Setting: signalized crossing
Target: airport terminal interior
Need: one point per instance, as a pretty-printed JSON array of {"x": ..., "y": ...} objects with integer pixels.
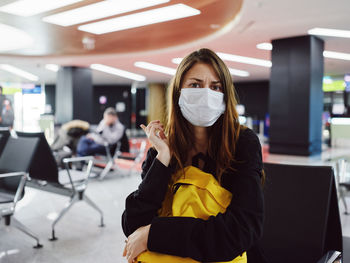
[{"x": 69, "y": 66}]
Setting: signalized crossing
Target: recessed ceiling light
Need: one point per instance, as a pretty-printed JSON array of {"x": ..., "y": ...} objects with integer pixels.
[
  {"x": 99, "y": 10},
  {"x": 154, "y": 67},
  {"x": 118, "y": 72},
  {"x": 329, "y": 32},
  {"x": 52, "y": 67},
  {"x": 264, "y": 46},
  {"x": 19, "y": 72},
  {"x": 336, "y": 55},
  {"x": 140, "y": 19},
  {"x": 13, "y": 38},
  {"x": 245, "y": 60},
  {"x": 34, "y": 7}
]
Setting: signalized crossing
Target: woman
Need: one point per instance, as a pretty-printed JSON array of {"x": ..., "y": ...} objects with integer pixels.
[{"x": 202, "y": 131}]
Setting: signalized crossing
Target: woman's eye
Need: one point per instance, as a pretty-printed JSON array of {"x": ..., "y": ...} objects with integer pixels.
[
  {"x": 194, "y": 85},
  {"x": 217, "y": 88}
]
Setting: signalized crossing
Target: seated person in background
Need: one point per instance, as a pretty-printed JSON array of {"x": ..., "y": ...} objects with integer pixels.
[
  {"x": 66, "y": 141},
  {"x": 69, "y": 135},
  {"x": 110, "y": 130}
]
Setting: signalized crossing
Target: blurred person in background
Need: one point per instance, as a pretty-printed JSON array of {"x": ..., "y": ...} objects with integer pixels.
[
  {"x": 7, "y": 114},
  {"x": 2, "y": 99},
  {"x": 110, "y": 131}
]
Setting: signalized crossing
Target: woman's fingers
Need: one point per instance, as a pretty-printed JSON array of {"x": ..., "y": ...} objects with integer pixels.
[
  {"x": 162, "y": 135},
  {"x": 130, "y": 258},
  {"x": 152, "y": 128},
  {"x": 127, "y": 253},
  {"x": 124, "y": 252}
]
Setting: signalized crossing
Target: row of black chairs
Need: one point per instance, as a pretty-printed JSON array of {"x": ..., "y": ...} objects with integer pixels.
[{"x": 28, "y": 160}]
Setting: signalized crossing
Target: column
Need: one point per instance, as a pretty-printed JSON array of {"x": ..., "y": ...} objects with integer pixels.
[
  {"x": 156, "y": 102},
  {"x": 74, "y": 94},
  {"x": 296, "y": 96}
]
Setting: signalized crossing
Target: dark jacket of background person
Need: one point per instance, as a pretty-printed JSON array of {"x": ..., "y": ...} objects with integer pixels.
[
  {"x": 69, "y": 135},
  {"x": 220, "y": 238}
]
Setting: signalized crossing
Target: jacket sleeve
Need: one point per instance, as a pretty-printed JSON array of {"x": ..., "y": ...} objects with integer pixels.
[
  {"x": 142, "y": 205},
  {"x": 226, "y": 235}
]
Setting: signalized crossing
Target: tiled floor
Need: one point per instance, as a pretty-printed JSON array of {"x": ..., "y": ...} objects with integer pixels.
[{"x": 80, "y": 239}]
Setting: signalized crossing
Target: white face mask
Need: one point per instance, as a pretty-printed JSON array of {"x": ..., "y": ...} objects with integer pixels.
[{"x": 201, "y": 106}]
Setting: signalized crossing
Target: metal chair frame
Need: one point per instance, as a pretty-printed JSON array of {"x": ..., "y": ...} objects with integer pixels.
[
  {"x": 111, "y": 165},
  {"x": 74, "y": 189},
  {"x": 8, "y": 212}
]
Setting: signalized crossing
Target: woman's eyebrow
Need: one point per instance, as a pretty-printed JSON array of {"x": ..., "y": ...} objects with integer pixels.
[{"x": 199, "y": 80}]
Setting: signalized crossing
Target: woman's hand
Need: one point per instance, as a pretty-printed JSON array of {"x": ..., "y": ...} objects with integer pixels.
[
  {"x": 156, "y": 136},
  {"x": 136, "y": 243}
]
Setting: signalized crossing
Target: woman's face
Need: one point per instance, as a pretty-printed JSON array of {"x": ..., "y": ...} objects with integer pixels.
[{"x": 202, "y": 75}]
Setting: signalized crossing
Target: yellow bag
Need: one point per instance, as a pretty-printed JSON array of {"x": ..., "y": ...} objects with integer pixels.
[{"x": 198, "y": 194}]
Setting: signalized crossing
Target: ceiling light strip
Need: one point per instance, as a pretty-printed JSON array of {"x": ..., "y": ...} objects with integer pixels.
[
  {"x": 336, "y": 55},
  {"x": 99, "y": 10},
  {"x": 239, "y": 73},
  {"x": 264, "y": 46},
  {"x": 326, "y": 54},
  {"x": 19, "y": 72},
  {"x": 154, "y": 67},
  {"x": 34, "y": 7},
  {"x": 245, "y": 60},
  {"x": 13, "y": 38},
  {"x": 234, "y": 72},
  {"x": 153, "y": 16},
  {"x": 118, "y": 72},
  {"x": 52, "y": 67},
  {"x": 329, "y": 32},
  {"x": 176, "y": 60}
]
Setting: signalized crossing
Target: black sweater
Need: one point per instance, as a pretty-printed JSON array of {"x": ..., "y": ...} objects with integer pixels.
[{"x": 220, "y": 238}]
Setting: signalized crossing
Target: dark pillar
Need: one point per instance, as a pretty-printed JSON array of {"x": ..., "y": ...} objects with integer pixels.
[
  {"x": 296, "y": 96},
  {"x": 74, "y": 94}
]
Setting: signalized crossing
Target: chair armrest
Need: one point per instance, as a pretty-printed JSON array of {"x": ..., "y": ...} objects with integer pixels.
[
  {"x": 12, "y": 174},
  {"x": 89, "y": 159},
  {"x": 78, "y": 159},
  {"x": 330, "y": 257},
  {"x": 20, "y": 186}
]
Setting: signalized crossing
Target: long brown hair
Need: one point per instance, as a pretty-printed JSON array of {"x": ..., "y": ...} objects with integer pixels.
[{"x": 223, "y": 135}]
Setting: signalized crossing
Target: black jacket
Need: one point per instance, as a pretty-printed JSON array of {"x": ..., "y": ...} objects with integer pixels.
[{"x": 220, "y": 238}]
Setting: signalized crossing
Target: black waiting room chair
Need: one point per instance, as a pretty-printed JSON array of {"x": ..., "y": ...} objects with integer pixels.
[
  {"x": 45, "y": 175},
  {"x": 14, "y": 162},
  {"x": 4, "y": 135},
  {"x": 302, "y": 221}
]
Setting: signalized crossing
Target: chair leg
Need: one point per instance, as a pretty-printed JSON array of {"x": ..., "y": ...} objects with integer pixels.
[
  {"x": 93, "y": 205},
  {"x": 106, "y": 170},
  {"x": 73, "y": 200},
  {"x": 26, "y": 231},
  {"x": 342, "y": 197}
]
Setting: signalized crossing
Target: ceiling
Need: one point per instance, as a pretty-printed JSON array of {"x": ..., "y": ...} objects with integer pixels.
[{"x": 224, "y": 25}]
